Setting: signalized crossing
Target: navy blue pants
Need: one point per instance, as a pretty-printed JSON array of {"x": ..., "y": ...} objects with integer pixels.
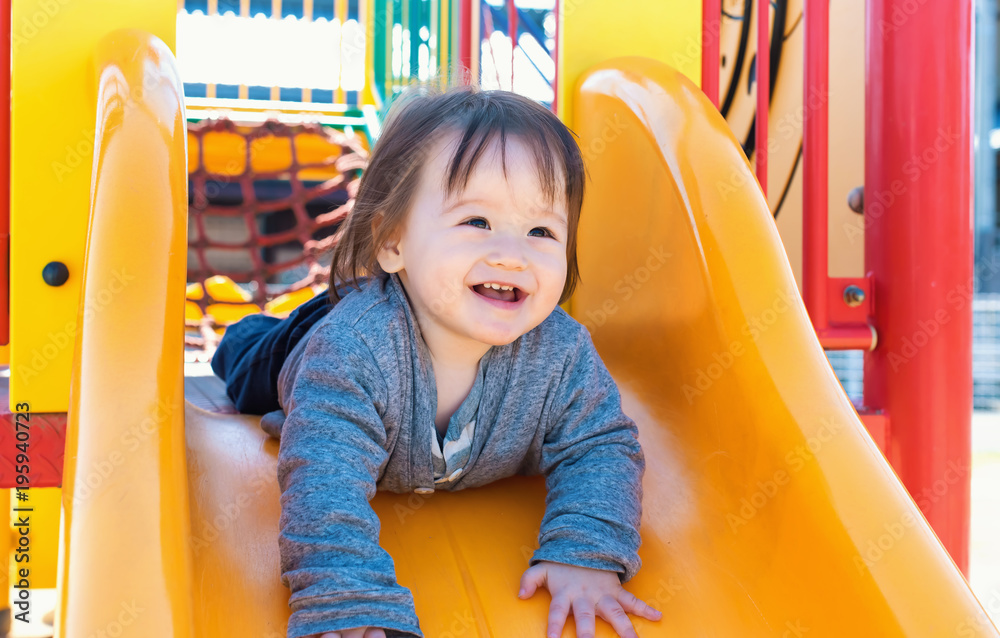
[{"x": 253, "y": 350}]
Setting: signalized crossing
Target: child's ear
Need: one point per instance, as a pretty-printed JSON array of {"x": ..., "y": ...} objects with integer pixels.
[{"x": 389, "y": 255}]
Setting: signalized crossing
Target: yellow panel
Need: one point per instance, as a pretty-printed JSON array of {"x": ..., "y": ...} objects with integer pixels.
[
  {"x": 597, "y": 30},
  {"x": 52, "y": 142}
]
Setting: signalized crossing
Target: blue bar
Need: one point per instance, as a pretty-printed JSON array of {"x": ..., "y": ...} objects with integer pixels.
[
  {"x": 322, "y": 96},
  {"x": 290, "y": 95},
  {"x": 229, "y": 5},
  {"x": 190, "y": 6},
  {"x": 259, "y": 93},
  {"x": 227, "y": 90},
  {"x": 195, "y": 89},
  {"x": 260, "y": 6},
  {"x": 292, "y": 8},
  {"x": 323, "y": 9}
]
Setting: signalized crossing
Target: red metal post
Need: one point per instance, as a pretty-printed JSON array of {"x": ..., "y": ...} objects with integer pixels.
[
  {"x": 465, "y": 40},
  {"x": 711, "y": 13},
  {"x": 815, "y": 147},
  {"x": 814, "y": 160},
  {"x": 512, "y": 28},
  {"x": 763, "y": 91},
  {"x": 919, "y": 244}
]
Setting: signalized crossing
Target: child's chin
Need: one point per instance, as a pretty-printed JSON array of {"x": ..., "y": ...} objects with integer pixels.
[{"x": 497, "y": 337}]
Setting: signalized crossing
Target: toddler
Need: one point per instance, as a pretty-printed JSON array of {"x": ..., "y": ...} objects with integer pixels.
[{"x": 444, "y": 362}]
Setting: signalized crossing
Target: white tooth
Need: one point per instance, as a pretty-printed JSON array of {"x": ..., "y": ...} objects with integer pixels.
[{"x": 506, "y": 287}]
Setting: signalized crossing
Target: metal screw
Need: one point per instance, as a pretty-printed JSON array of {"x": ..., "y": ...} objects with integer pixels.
[
  {"x": 854, "y": 296},
  {"x": 55, "y": 273}
]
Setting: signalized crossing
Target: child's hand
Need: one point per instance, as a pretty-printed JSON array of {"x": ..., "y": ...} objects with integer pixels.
[
  {"x": 357, "y": 632},
  {"x": 583, "y": 590}
]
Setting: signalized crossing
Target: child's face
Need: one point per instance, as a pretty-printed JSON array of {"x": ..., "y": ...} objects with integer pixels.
[{"x": 498, "y": 231}]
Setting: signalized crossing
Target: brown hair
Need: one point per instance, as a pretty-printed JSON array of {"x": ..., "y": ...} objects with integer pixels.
[{"x": 420, "y": 116}]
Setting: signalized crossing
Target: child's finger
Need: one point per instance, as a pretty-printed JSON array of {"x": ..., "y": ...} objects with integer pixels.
[
  {"x": 532, "y": 579},
  {"x": 611, "y": 611},
  {"x": 374, "y": 633},
  {"x": 633, "y": 605},
  {"x": 583, "y": 615},
  {"x": 558, "y": 611}
]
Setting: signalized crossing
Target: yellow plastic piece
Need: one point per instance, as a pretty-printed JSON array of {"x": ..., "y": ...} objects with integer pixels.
[
  {"x": 125, "y": 558},
  {"x": 194, "y": 291},
  {"x": 223, "y": 289},
  {"x": 225, "y": 154},
  {"x": 288, "y": 302},
  {"x": 52, "y": 145},
  {"x": 768, "y": 509},
  {"x": 592, "y": 31},
  {"x": 226, "y": 314},
  {"x": 192, "y": 312}
]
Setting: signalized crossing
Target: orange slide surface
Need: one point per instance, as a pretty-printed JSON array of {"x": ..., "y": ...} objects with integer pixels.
[{"x": 768, "y": 510}]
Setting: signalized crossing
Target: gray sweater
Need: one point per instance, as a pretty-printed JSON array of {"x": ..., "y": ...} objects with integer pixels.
[{"x": 359, "y": 393}]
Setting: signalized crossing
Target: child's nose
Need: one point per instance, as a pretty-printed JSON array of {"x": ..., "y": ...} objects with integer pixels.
[{"x": 506, "y": 252}]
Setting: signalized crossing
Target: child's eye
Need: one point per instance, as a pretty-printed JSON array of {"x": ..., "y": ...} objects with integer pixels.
[
  {"x": 540, "y": 232},
  {"x": 478, "y": 222}
]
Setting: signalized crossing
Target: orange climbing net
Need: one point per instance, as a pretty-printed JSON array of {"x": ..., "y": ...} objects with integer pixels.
[{"x": 258, "y": 192}]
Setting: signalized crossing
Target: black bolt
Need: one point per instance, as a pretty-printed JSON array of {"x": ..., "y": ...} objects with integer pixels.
[{"x": 55, "y": 273}]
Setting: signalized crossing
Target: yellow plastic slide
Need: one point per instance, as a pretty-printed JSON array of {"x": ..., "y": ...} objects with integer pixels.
[{"x": 768, "y": 510}]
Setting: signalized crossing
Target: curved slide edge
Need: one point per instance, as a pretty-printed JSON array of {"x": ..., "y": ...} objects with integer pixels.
[
  {"x": 766, "y": 499},
  {"x": 124, "y": 534}
]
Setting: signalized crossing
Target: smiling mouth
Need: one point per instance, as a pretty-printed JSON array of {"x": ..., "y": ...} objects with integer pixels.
[{"x": 510, "y": 296}]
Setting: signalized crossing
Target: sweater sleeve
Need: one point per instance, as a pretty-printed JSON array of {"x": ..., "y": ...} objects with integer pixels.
[
  {"x": 331, "y": 453},
  {"x": 593, "y": 468}
]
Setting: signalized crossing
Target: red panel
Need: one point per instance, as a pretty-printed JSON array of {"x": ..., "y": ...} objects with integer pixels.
[{"x": 46, "y": 445}]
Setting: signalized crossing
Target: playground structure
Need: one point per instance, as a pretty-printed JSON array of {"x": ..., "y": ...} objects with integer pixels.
[{"x": 769, "y": 506}]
